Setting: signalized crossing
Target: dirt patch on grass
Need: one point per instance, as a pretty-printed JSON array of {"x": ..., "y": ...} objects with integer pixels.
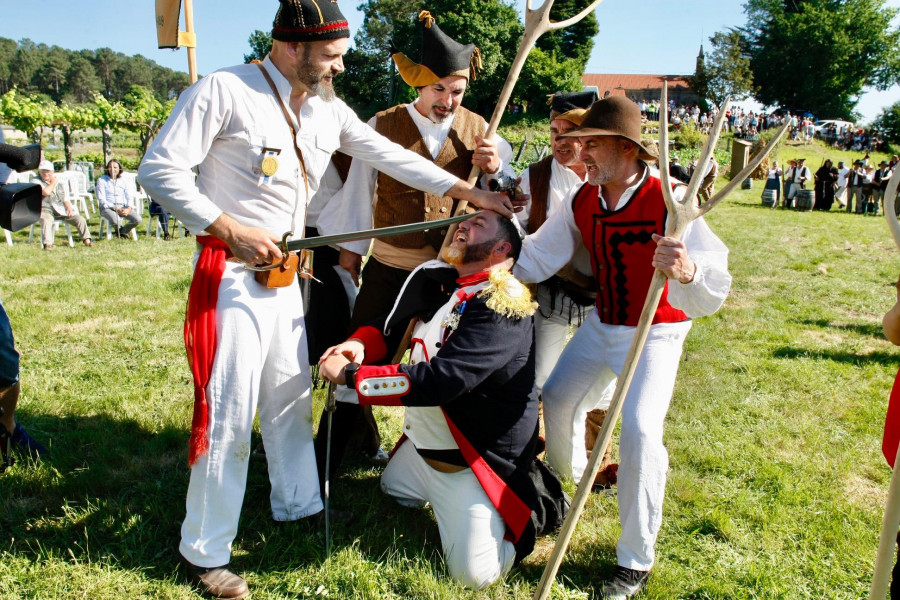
[{"x": 864, "y": 493}]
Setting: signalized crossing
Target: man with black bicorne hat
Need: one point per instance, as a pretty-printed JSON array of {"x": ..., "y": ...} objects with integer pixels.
[
  {"x": 619, "y": 217},
  {"x": 436, "y": 127},
  {"x": 565, "y": 297},
  {"x": 261, "y": 137}
]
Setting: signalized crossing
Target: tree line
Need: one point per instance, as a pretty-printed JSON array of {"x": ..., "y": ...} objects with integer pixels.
[
  {"x": 74, "y": 76},
  {"x": 804, "y": 56}
]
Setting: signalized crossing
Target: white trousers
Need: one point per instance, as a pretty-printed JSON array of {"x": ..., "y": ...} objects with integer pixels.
[
  {"x": 260, "y": 362},
  {"x": 551, "y": 328},
  {"x": 471, "y": 528},
  {"x": 593, "y": 358}
]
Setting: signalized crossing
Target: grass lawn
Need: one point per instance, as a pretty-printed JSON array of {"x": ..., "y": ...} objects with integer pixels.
[{"x": 776, "y": 486}]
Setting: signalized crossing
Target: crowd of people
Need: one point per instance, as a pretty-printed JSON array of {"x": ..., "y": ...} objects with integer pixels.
[{"x": 857, "y": 188}]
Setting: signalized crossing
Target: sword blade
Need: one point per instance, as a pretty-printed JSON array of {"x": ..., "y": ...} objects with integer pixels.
[{"x": 351, "y": 236}]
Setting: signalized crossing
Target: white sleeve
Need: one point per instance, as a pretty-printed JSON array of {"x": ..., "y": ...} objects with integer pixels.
[
  {"x": 184, "y": 141},
  {"x": 706, "y": 293},
  {"x": 551, "y": 247},
  {"x": 351, "y": 208}
]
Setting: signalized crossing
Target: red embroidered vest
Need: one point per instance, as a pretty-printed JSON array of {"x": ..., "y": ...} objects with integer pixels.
[{"x": 621, "y": 249}]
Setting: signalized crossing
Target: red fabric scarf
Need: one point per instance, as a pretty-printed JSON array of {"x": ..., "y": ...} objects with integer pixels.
[
  {"x": 200, "y": 334},
  {"x": 891, "y": 438}
]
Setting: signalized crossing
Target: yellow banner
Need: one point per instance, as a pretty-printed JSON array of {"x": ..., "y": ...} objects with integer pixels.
[{"x": 167, "y": 14}]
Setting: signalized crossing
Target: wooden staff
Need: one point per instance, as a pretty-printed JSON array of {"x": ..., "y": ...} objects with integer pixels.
[
  {"x": 192, "y": 46},
  {"x": 537, "y": 23},
  {"x": 680, "y": 214},
  {"x": 891, "y": 521}
]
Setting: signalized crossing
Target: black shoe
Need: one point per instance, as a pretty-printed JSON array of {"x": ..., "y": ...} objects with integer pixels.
[
  {"x": 624, "y": 584},
  {"x": 218, "y": 582}
]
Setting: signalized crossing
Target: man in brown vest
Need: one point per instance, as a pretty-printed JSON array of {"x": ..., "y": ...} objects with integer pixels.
[
  {"x": 566, "y": 298},
  {"x": 437, "y": 127}
]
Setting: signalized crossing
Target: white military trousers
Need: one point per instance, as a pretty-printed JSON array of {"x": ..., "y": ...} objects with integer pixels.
[
  {"x": 593, "y": 358},
  {"x": 471, "y": 529},
  {"x": 260, "y": 363}
]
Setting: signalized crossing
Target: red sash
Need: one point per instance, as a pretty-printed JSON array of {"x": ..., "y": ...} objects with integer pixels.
[
  {"x": 200, "y": 334},
  {"x": 891, "y": 438}
]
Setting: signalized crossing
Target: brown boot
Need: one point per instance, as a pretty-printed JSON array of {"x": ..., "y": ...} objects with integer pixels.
[
  {"x": 218, "y": 582},
  {"x": 606, "y": 476}
]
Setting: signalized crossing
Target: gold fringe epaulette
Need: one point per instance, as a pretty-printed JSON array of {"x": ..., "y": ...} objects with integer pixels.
[{"x": 507, "y": 296}]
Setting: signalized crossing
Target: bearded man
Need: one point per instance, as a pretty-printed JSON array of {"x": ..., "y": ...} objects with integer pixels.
[
  {"x": 470, "y": 426},
  {"x": 619, "y": 217},
  {"x": 261, "y": 137}
]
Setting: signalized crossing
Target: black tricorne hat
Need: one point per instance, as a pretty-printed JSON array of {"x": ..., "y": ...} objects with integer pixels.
[
  {"x": 309, "y": 21},
  {"x": 572, "y": 106},
  {"x": 441, "y": 56}
]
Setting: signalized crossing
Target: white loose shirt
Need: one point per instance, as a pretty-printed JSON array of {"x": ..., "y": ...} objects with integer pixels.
[
  {"x": 224, "y": 124},
  {"x": 552, "y": 246},
  {"x": 362, "y": 180}
]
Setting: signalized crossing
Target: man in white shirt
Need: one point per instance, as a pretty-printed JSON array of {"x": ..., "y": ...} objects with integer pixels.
[
  {"x": 622, "y": 213},
  {"x": 565, "y": 298},
  {"x": 797, "y": 176},
  {"x": 843, "y": 173},
  {"x": 439, "y": 129},
  {"x": 245, "y": 340}
]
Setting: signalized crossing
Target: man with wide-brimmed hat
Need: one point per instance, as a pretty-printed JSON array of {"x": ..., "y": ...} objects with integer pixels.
[
  {"x": 261, "y": 136},
  {"x": 619, "y": 217},
  {"x": 439, "y": 129},
  {"x": 565, "y": 297}
]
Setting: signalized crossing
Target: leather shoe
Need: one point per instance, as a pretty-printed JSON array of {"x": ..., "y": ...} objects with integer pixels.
[
  {"x": 218, "y": 582},
  {"x": 624, "y": 584}
]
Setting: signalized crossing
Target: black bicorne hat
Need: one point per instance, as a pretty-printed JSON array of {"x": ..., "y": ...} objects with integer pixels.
[{"x": 571, "y": 106}]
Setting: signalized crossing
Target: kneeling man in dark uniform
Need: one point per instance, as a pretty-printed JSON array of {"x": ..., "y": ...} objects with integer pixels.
[{"x": 470, "y": 426}]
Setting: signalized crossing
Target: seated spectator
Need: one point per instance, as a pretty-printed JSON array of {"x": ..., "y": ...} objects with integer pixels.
[
  {"x": 56, "y": 205},
  {"x": 116, "y": 199},
  {"x": 163, "y": 216}
]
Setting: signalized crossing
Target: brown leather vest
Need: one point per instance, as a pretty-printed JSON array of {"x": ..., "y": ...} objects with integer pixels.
[
  {"x": 539, "y": 181},
  {"x": 398, "y": 204}
]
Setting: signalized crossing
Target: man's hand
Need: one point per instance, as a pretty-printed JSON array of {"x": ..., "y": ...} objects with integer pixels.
[
  {"x": 332, "y": 368},
  {"x": 70, "y": 212},
  {"x": 495, "y": 201},
  {"x": 353, "y": 350},
  {"x": 672, "y": 259},
  {"x": 486, "y": 157},
  {"x": 251, "y": 245},
  {"x": 350, "y": 262}
]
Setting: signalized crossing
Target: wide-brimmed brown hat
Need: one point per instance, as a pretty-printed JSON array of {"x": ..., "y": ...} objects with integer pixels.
[{"x": 616, "y": 116}]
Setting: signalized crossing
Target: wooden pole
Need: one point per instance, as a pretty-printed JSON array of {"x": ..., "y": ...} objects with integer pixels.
[{"x": 189, "y": 29}]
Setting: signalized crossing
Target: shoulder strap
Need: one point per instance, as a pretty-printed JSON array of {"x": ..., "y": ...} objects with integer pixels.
[{"x": 290, "y": 123}]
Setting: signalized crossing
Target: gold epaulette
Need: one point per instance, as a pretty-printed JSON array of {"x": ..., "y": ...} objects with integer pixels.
[{"x": 507, "y": 296}]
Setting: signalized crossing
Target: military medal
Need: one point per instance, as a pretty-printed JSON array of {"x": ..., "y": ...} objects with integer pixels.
[{"x": 269, "y": 164}]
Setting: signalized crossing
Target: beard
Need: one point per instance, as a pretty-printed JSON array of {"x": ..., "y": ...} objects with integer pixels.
[
  {"x": 603, "y": 174},
  {"x": 456, "y": 256},
  {"x": 315, "y": 81}
]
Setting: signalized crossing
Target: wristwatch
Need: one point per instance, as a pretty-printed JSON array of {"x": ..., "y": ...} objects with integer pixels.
[{"x": 350, "y": 374}]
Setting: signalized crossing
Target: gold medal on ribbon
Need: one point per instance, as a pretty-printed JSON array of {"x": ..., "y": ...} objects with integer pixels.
[{"x": 269, "y": 165}]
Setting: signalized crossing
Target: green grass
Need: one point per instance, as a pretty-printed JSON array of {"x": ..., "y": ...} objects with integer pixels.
[{"x": 776, "y": 487}]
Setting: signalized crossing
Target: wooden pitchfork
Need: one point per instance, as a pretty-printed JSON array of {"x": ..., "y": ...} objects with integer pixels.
[
  {"x": 891, "y": 521},
  {"x": 680, "y": 215},
  {"x": 537, "y": 23}
]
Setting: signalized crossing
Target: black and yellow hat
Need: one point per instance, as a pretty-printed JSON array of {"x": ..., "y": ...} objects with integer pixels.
[
  {"x": 571, "y": 106},
  {"x": 309, "y": 21},
  {"x": 441, "y": 56}
]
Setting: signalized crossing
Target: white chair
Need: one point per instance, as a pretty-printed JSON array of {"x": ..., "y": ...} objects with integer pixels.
[
  {"x": 140, "y": 197},
  {"x": 8, "y": 235},
  {"x": 79, "y": 200},
  {"x": 173, "y": 222},
  {"x": 106, "y": 224},
  {"x": 80, "y": 190}
]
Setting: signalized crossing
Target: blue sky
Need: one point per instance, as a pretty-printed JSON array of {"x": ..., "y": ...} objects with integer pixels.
[{"x": 651, "y": 36}]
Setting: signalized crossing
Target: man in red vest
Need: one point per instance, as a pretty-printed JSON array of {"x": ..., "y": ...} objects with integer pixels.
[{"x": 619, "y": 216}]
